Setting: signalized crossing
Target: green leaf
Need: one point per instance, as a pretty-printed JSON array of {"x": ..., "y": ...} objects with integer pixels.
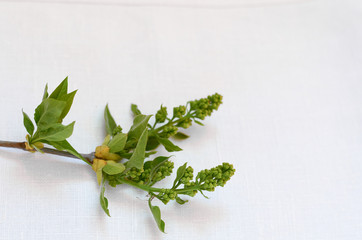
[
  {"x": 104, "y": 200},
  {"x": 55, "y": 132},
  {"x": 65, "y": 146},
  {"x": 169, "y": 145},
  {"x": 180, "y": 201},
  {"x": 147, "y": 154},
  {"x": 29, "y": 126},
  {"x": 61, "y": 90},
  {"x": 138, "y": 155},
  {"x": 110, "y": 123},
  {"x": 128, "y": 155},
  {"x": 68, "y": 99},
  {"x": 139, "y": 125},
  {"x": 125, "y": 154},
  {"x": 106, "y": 140},
  {"x": 147, "y": 165},
  {"x": 135, "y": 110},
  {"x": 117, "y": 143},
  {"x": 39, "y": 110},
  {"x": 180, "y": 135},
  {"x": 112, "y": 168},
  {"x": 156, "y": 212},
  {"x": 48, "y": 112},
  {"x": 180, "y": 173},
  {"x": 198, "y": 122},
  {"x": 157, "y": 162},
  {"x": 46, "y": 94},
  {"x": 203, "y": 194},
  {"x": 152, "y": 143}
]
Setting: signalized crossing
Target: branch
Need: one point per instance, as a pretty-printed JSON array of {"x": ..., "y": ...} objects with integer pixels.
[{"x": 21, "y": 145}]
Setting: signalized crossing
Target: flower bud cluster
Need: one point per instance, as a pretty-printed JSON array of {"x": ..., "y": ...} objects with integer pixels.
[
  {"x": 208, "y": 179},
  {"x": 137, "y": 175},
  {"x": 112, "y": 179},
  {"x": 117, "y": 130},
  {"x": 161, "y": 115},
  {"x": 142, "y": 176},
  {"x": 205, "y": 106},
  {"x": 164, "y": 171},
  {"x": 167, "y": 194},
  {"x": 168, "y": 131},
  {"x": 179, "y": 111},
  {"x": 185, "y": 123},
  {"x": 193, "y": 192},
  {"x": 188, "y": 176}
]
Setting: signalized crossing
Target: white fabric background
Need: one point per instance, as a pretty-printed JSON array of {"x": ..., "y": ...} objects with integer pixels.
[{"x": 291, "y": 122}]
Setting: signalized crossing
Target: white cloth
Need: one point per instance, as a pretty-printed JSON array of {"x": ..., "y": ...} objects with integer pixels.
[{"x": 291, "y": 122}]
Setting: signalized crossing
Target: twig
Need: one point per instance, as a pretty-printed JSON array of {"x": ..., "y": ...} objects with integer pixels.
[{"x": 21, "y": 145}]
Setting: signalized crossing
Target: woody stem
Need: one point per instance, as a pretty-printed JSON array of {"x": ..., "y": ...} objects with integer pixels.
[{"x": 21, "y": 145}]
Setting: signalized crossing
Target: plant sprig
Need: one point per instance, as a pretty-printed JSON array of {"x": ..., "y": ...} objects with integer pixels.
[
  {"x": 48, "y": 118},
  {"x": 124, "y": 157}
]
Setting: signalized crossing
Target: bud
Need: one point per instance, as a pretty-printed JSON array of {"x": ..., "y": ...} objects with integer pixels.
[
  {"x": 102, "y": 152},
  {"x": 161, "y": 115}
]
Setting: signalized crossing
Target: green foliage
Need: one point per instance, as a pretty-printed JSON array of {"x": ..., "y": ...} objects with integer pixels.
[
  {"x": 156, "y": 212},
  {"x": 152, "y": 142},
  {"x": 45, "y": 94},
  {"x": 123, "y": 158},
  {"x": 135, "y": 110},
  {"x": 48, "y": 117},
  {"x": 103, "y": 200},
  {"x": 113, "y": 168},
  {"x": 139, "y": 125},
  {"x": 29, "y": 126},
  {"x": 138, "y": 155},
  {"x": 170, "y": 147},
  {"x": 65, "y": 146},
  {"x": 54, "y": 132},
  {"x": 49, "y": 112},
  {"x": 181, "y": 201},
  {"x": 180, "y": 173},
  {"x": 117, "y": 143},
  {"x": 181, "y": 136},
  {"x": 68, "y": 99},
  {"x": 110, "y": 123},
  {"x": 143, "y": 137},
  {"x": 61, "y": 90}
]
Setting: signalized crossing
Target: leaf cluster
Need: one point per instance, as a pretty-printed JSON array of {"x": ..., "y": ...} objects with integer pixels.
[{"x": 48, "y": 118}]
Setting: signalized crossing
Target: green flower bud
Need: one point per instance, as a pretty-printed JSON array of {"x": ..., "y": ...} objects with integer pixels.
[
  {"x": 161, "y": 115},
  {"x": 168, "y": 131},
  {"x": 117, "y": 130},
  {"x": 185, "y": 123},
  {"x": 217, "y": 176},
  {"x": 164, "y": 170},
  {"x": 188, "y": 176},
  {"x": 178, "y": 112}
]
